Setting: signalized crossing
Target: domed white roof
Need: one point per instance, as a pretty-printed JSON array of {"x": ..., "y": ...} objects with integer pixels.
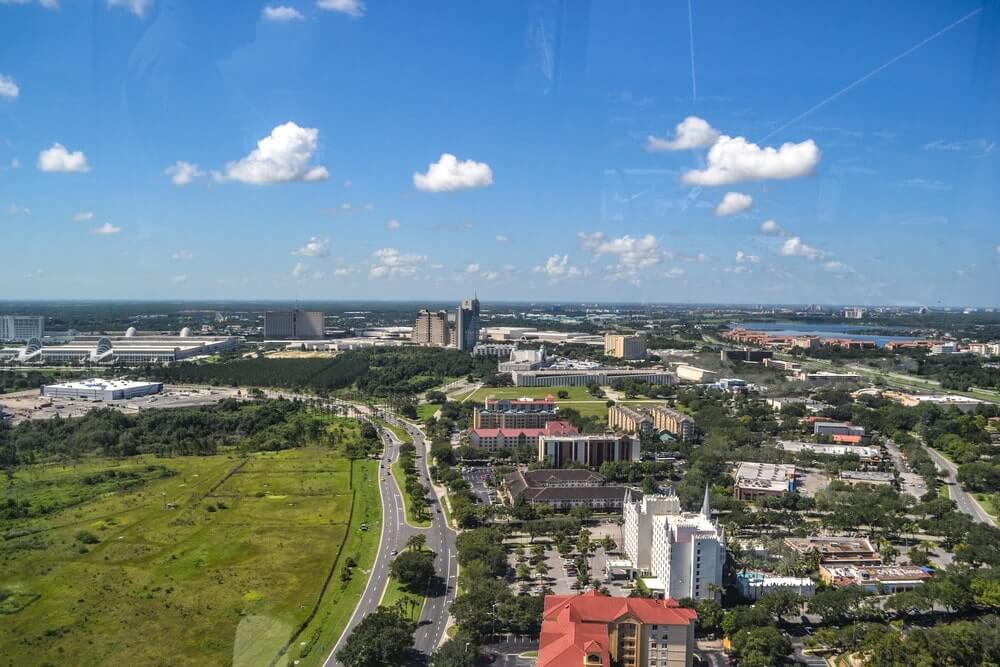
[
  {"x": 186, "y": 332},
  {"x": 130, "y": 332}
]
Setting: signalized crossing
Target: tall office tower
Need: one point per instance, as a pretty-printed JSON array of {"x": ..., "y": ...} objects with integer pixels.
[
  {"x": 293, "y": 324},
  {"x": 431, "y": 328},
  {"x": 625, "y": 347},
  {"x": 467, "y": 324},
  {"x": 22, "y": 327}
]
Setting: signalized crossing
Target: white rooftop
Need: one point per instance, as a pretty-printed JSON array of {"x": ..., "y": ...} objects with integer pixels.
[{"x": 100, "y": 384}]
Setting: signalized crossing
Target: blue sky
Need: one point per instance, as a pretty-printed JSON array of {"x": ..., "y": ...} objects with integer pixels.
[{"x": 537, "y": 150}]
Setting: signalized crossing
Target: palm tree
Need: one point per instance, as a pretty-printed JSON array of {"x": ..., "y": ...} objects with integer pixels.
[{"x": 416, "y": 542}]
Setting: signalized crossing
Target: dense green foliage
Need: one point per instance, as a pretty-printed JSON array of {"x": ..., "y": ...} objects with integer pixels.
[
  {"x": 958, "y": 371},
  {"x": 382, "y": 639}
]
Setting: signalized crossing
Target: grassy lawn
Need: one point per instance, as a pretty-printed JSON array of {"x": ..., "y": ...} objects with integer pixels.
[
  {"x": 579, "y": 398},
  {"x": 219, "y": 559},
  {"x": 426, "y": 410},
  {"x": 397, "y": 431},
  {"x": 986, "y": 500},
  {"x": 400, "y": 477}
]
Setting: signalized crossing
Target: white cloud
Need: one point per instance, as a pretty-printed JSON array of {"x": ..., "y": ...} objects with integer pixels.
[
  {"x": 106, "y": 229},
  {"x": 692, "y": 132},
  {"x": 281, "y": 157},
  {"x": 14, "y": 209},
  {"x": 701, "y": 258},
  {"x": 83, "y": 216},
  {"x": 557, "y": 267},
  {"x": 981, "y": 146},
  {"x": 393, "y": 224},
  {"x": 673, "y": 273},
  {"x": 924, "y": 184},
  {"x": 771, "y": 228},
  {"x": 390, "y": 263},
  {"x": 743, "y": 258},
  {"x": 734, "y": 159},
  {"x": 315, "y": 247},
  {"x": 15, "y": 163},
  {"x": 182, "y": 173},
  {"x": 344, "y": 271},
  {"x": 491, "y": 275},
  {"x": 281, "y": 14},
  {"x": 299, "y": 270},
  {"x": 182, "y": 256},
  {"x": 354, "y": 8},
  {"x": 998, "y": 249},
  {"x": 179, "y": 278},
  {"x": 501, "y": 238},
  {"x": 58, "y": 159},
  {"x": 834, "y": 266},
  {"x": 733, "y": 203},
  {"x": 794, "y": 247},
  {"x": 47, "y": 4},
  {"x": 8, "y": 87},
  {"x": 472, "y": 268},
  {"x": 137, "y": 7},
  {"x": 448, "y": 175},
  {"x": 633, "y": 253}
]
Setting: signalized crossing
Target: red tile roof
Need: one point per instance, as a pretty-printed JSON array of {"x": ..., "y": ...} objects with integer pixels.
[
  {"x": 576, "y": 625},
  {"x": 550, "y": 428},
  {"x": 851, "y": 439}
]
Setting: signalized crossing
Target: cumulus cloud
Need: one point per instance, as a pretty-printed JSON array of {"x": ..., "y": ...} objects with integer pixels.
[
  {"x": 639, "y": 252},
  {"x": 299, "y": 270},
  {"x": 83, "y": 216},
  {"x": 353, "y": 8},
  {"x": 182, "y": 256},
  {"x": 501, "y": 238},
  {"x": 557, "y": 267},
  {"x": 733, "y": 203},
  {"x": 137, "y": 7},
  {"x": 734, "y": 159},
  {"x": 449, "y": 174},
  {"x": 182, "y": 173},
  {"x": 281, "y": 14},
  {"x": 794, "y": 247},
  {"x": 744, "y": 258},
  {"x": 392, "y": 224},
  {"x": 281, "y": 157},
  {"x": 771, "y": 228},
  {"x": 472, "y": 268},
  {"x": 692, "y": 132},
  {"x": 106, "y": 229},
  {"x": 8, "y": 87},
  {"x": 390, "y": 263},
  {"x": 58, "y": 159},
  {"x": 491, "y": 275},
  {"x": 314, "y": 247}
]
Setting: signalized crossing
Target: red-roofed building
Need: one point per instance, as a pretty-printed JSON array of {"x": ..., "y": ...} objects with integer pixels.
[
  {"x": 516, "y": 413},
  {"x": 848, "y": 439},
  {"x": 492, "y": 439},
  {"x": 594, "y": 630}
]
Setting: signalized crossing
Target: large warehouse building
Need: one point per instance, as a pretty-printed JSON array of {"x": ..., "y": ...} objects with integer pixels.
[
  {"x": 97, "y": 389},
  {"x": 127, "y": 350}
]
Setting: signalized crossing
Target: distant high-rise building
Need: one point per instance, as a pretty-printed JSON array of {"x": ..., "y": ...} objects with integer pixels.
[
  {"x": 293, "y": 324},
  {"x": 21, "y": 327},
  {"x": 467, "y": 324},
  {"x": 854, "y": 313},
  {"x": 625, "y": 347},
  {"x": 431, "y": 328}
]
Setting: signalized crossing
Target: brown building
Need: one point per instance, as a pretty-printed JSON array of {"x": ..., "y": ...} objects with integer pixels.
[
  {"x": 590, "y": 450},
  {"x": 511, "y": 413},
  {"x": 674, "y": 422},
  {"x": 836, "y": 550},
  {"x": 431, "y": 328},
  {"x": 625, "y": 347},
  {"x": 563, "y": 489},
  {"x": 629, "y": 419}
]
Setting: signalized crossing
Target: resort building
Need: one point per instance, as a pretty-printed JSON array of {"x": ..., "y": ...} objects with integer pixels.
[
  {"x": 836, "y": 550},
  {"x": 493, "y": 439},
  {"x": 590, "y": 450},
  {"x": 880, "y": 579},
  {"x": 755, "y": 480},
  {"x": 582, "y": 377},
  {"x": 755, "y": 585},
  {"x": 629, "y": 419},
  {"x": 563, "y": 489},
  {"x": 516, "y": 413},
  {"x": 625, "y": 347},
  {"x": 431, "y": 328}
]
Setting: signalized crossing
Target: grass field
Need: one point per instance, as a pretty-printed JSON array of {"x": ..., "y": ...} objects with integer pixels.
[
  {"x": 579, "y": 399},
  {"x": 397, "y": 474},
  {"x": 427, "y": 410},
  {"x": 986, "y": 500},
  {"x": 218, "y": 560},
  {"x": 400, "y": 433}
]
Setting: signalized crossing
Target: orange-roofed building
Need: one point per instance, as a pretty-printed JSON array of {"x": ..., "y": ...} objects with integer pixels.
[
  {"x": 594, "y": 630},
  {"x": 848, "y": 439}
]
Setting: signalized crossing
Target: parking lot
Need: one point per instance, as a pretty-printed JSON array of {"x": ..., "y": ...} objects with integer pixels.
[
  {"x": 31, "y": 405},
  {"x": 476, "y": 477},
  {"x": 562, "y": 573}
]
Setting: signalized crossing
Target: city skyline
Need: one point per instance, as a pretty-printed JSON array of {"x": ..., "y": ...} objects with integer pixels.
[{"x": 328, "y": 152}]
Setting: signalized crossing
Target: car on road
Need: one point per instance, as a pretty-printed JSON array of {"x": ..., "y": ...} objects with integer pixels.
[{"x": 394, "y": 552}]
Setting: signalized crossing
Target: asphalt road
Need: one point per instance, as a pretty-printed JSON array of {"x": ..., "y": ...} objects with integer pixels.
[{"x": 963, "y": 500}]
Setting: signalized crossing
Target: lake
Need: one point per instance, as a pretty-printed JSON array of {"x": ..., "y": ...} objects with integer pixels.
[{"x": 851, "y": 331}]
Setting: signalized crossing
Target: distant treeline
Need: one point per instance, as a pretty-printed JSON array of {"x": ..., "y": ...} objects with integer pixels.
[
  {"x": 376, "y": 372},
  {"x": 263, "y": 425}
]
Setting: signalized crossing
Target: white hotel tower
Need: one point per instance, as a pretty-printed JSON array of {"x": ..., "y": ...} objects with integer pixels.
[{"x": 677, "y": 554}]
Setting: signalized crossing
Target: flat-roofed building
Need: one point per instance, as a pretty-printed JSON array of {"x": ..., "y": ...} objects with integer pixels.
[
  {"x": 493, "y": 439},
  {"x": 591, "y": 449},
  {"x": 694, "y": 374},
  {"x": 293, "y": 324},
  {"x": 755, "y": 585},
  {"x": 836, "y": 550},
  {"x": 563, "y": 489},
  {"x": 867, "y": 477},
  {"x": 98, "y": 389},
  {"x": 746, "y": 356},
  {"x": 866, "y": 454},
  {"x": 674, "y": 422},
  {"x": 431, "y": 328},
  {"x": 827, "y": 377},
  {"x": 595, "y": 630},
  {"x": 837, "y": 428},
  {"x": 516, "y": 413},
  {"x": 625, "y": 346},
  {"x": 121, "y": 350},
  {"x": 756, "y": 480},
  {"x": 582, "y": 377},
  {"x": 809, "y": 404},
  {"x": 880, "y": 579},
  {"x": 629, "y": 419},
  {"x": 677, "y": 554},
  {"x": 21, "y": 327}
]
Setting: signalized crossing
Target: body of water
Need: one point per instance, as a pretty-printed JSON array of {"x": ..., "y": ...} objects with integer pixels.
[{"x": 851, "y": 331}]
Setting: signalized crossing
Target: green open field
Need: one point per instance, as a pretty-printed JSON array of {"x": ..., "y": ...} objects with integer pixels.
[
  {"x": 209, "y": 560},
  {"x": 579, "y": 399},
  {"x": 986, "y": 500},
  {"x": 427, "y": 410}
]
